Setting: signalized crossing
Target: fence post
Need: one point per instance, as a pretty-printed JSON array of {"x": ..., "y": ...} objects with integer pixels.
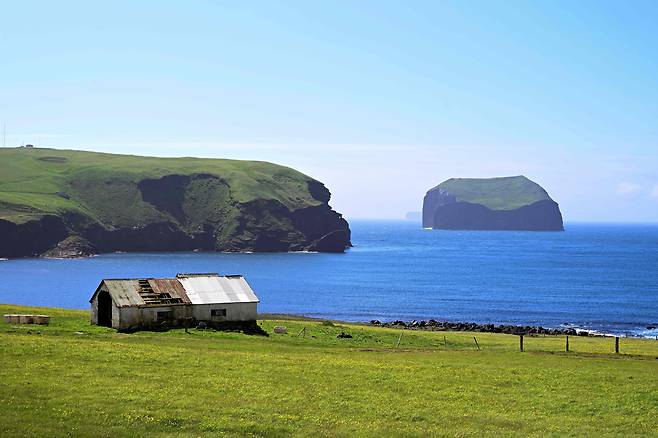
[
  {"x": 521, "y": 342},
  {"x": 617, "y": 344},
  {"x": 567, "y": 344},
  {"x": 445, "y": 343},
  {"x": 399, "y": 339},
  {"x": 476, "y": 343}
]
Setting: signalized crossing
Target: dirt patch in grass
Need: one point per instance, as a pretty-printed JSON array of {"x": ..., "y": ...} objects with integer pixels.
[{"x": 53, "y": 159}]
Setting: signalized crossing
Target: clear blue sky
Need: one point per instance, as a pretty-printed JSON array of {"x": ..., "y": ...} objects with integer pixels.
[{"x": 379, "y": 100}]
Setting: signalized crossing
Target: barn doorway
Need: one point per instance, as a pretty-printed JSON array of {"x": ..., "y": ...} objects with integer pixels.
[{"x": 104, "y": 309}]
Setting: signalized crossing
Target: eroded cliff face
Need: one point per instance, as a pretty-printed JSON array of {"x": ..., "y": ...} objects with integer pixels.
[
  {"x": 433, "y": 200},
  {"x": 191, "y": 212},
  {"x": 540, "y": 216},
  {"x": 32, "y": 237},
  {"x": 443, "y": 209}
]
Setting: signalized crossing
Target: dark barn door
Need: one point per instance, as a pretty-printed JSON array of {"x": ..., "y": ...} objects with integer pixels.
[{"x": 104, "y": 309}]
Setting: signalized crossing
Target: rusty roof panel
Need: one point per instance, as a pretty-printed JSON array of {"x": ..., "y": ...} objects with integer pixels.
[{"x": 170, "y": 286}]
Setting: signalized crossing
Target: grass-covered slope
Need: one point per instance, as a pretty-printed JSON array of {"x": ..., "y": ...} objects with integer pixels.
[
  {"x": 73, "y": 379},
  {"x": 223, "y": 204},
  {"x": 505, "y": 193},
  {"x": 39, "y": 179}
]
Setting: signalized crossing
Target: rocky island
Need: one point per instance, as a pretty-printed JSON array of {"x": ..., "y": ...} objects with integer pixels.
[
  {"x": 507, "y": 203},
  {"x": 64, "y": 203}
]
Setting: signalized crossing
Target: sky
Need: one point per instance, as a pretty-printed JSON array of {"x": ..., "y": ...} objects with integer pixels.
[{"x": 379, "y": 100}]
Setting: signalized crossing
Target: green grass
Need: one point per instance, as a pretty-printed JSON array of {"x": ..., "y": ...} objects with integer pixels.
[
  {"x": 506, "y": 193},
  {"x": 76, "y": 379},
  {"x": 101, "y": 186}
]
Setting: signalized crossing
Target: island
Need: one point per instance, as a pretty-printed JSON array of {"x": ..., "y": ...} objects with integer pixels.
[
  {"x": 66, "y": 203},
  {"x": 413, "y": 216},
  {"x": 506, "y": 203}
]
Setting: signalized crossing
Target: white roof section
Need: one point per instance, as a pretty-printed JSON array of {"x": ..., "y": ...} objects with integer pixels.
[{"x": 213, "y": 289}]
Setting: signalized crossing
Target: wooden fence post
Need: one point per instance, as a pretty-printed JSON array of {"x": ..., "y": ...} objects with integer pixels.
[
  {"x": 445, "y": 343},
  {"x": 567, "y": 344},
  {"x": 521, "y": 342},
  {"x": 476, "y": 343},
  {"x": 399, "y": 339},
  {"x": 617, "y": 344}
]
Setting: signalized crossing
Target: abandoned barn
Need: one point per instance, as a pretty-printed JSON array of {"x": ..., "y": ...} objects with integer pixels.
[{"x": 131, "y": 304}]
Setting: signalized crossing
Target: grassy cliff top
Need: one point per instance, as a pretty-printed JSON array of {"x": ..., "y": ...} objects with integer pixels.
[
  {"x": 505, "y": 193},
  {"x": 35, "y": 181}
]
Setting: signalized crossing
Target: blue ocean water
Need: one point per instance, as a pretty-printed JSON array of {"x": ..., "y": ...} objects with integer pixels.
[{"x": 596, "y": 277}]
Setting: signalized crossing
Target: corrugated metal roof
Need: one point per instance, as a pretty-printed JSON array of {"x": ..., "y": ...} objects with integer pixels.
[
  {"x": 188, "y": 288},
  {"x": 216, "y": 289},
  {"x": 124, "y": 292}
]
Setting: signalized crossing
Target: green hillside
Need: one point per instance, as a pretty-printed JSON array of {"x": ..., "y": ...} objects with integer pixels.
[
  {"x": 64, "y": 203},
  {"x": 506, "y": 193},
  {"x": 73, "y": 379},
  {"x": 37, "y": 181}
]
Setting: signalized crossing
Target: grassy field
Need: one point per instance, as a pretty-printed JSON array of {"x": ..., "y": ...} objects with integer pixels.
[
  {"x": 101, "y": 186},
  {"x": 72, "y": 378},
  {"x": 506, "y": 193}
]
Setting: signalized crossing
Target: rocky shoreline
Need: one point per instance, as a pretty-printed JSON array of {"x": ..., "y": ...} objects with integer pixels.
[{"x": 433, "y": 325}]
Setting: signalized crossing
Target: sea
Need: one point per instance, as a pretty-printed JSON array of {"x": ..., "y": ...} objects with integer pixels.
[{"x": 597, "y": 277}]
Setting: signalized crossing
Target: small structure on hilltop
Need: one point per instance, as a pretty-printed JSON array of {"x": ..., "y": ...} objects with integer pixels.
[{"x": 151, "y": 303}]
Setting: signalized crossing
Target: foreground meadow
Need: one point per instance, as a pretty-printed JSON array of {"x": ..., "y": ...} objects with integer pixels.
[{"x": 70, "y": 378}]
